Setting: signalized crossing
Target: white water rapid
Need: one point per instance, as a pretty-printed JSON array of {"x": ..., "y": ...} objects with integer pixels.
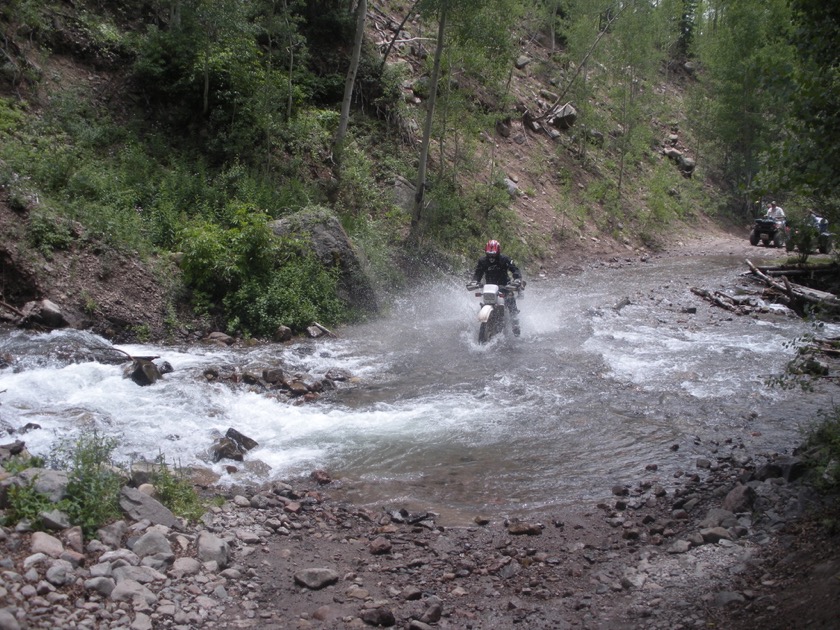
[{"x": 593, "y": 391}]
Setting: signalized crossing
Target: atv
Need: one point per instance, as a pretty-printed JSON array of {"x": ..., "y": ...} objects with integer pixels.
[
  {"x": 809, "y": 237},
  {"x": 767, "y": 231}
]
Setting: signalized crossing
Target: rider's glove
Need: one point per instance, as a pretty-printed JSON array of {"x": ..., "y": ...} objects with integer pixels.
[{"x": 517, "y": 282}]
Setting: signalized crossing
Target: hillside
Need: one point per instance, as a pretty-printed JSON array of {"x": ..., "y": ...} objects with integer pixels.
[{"x": 559, "y": 209}]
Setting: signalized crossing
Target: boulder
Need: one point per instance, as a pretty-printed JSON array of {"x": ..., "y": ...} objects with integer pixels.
[
  {"x": 323, "y": 235},
  {"x": 142, "y": 372},
  {"x": 42, "y": 313},
  {"x": 739, "y": 499},
  {"x": 564, "y": 117},
  {"x": 139, "y": 506}
]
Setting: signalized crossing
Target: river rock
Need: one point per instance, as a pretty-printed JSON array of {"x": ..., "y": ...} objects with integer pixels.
[
  {"x": 46, "y": 544},
  {"x": 243, "y": 440},
  {"x": 739, "y": 499},
  {"x": 211, "y": 548},
  {"x": 528, "y": 529},
  {"x": 316, "y": 578},
  {"x": 140, "y": 507},
  {"x": 151, "y": 543},
  {"x": 142, "y": 372},
  {"x": 42, "y": 313},
  {"x": 129, "y": 591}
]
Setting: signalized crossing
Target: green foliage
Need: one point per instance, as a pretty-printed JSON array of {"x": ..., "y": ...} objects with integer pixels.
[
  {"x": 662, "y": 203},
  {"x": 174, "y": 490},
  {"x": 299, "y": 292},
  {"x": 218, "y": 259},
  {"x": 93, "y": 484},
  {"x": 357, "y": 192},
  {"x": 47, "y": 233},
  {"x": 376, "y": 238},
  {"x": 94, "y": 481},
  {"x": 806, "y": 158},
  {"x": 822, "y": 449},
  {"x": 25, "y": 503},
  {"x": 749, "y": 62},
  {"x": 801, "y": 371},
  {"x": 89, "y": 304},
  {"x": 259, "y": 280},
  {"x": 142, "y": 332},
  {"x": 19, "y": 463},
  {"x": 11, "y": 116}
]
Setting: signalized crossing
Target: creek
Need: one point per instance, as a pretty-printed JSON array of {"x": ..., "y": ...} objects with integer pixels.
[{"x": 618, "y": 367}]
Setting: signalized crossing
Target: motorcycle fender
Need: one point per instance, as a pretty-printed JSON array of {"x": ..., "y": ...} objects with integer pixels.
[{"x": 484, "y": 313}]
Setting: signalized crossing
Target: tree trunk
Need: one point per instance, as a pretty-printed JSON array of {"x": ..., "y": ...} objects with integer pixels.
[
  {"x": 290, "y": 100},
  {"x": 427, "y": 131},
  {"x": 338, "y": 145}
]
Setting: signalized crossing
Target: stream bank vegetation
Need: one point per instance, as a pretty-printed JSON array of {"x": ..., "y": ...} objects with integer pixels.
[{"x": 93, "y": 484}]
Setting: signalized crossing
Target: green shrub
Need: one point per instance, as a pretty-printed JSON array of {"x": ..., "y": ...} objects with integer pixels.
[
  {"x": 47, "y": 233},
  {"x": 93, "y": 488},
  {"x": 26, "y": 504},
  {"x": 299, "y": 292},
  {"x": 260, "y": 281},
  {"x": 822, "y": 448},
  {"x": 94, "y": 480},
  {"x": 173, "y": 489},
  {"x": 218, "y": 260},
  {"x": 11, "y": 118},
  {"x": 19, "y": 463}
]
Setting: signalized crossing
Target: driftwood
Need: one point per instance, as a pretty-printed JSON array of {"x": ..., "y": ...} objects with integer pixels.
[
  {"x": 326, "y": 330},
  {"x": 716, "y": 297},
  {"x": 11, "y": 308},
  {"x": 828, "y": 347},
  {"x": 797, "y": 293}
]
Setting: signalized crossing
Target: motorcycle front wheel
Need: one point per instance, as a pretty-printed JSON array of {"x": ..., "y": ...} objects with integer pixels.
[{"x": 492, "y": 327}]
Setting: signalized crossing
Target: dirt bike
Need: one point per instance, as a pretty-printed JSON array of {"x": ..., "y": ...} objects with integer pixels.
[
  {"x": 493, "y": 315},
  {"x": 768, "y": 231}
]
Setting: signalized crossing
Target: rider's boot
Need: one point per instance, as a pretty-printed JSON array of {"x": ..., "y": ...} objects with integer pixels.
[{"x": 515, "y": 322}]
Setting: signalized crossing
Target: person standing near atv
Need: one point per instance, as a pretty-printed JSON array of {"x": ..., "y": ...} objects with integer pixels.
[
  {"x": 495, "y": 267},
  {"x": 817, "y": 222}
]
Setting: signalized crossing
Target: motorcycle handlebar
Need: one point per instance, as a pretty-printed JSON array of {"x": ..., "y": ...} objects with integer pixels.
[{"x": 472, "y": 286}]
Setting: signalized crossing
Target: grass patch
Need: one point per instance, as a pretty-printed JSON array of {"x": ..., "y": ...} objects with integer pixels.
[{"x": 174, "y": 490}]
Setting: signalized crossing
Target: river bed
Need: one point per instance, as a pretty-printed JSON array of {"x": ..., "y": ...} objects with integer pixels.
[{"x": 618, "y": 367}]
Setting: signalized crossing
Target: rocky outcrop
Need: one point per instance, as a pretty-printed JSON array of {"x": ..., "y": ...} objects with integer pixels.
[{"x": 322, "y": 232}]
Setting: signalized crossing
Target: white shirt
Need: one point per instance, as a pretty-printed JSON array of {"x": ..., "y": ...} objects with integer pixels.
[{"x": 775, "y": 212}]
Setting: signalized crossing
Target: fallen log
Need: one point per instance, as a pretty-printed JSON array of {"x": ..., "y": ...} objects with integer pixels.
[
  {"x": 325, "y": 330},
  {"x": 11, "y": 308},
  {"x": 796, "y": 292},
  {"x": 714, "y": 298}
]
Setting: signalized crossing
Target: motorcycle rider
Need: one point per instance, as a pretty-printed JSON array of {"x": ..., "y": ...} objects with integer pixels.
[{"x": 495, "y": 266}]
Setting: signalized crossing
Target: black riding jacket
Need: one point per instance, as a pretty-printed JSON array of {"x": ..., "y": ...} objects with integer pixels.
[{"x": 497, "y": 271}]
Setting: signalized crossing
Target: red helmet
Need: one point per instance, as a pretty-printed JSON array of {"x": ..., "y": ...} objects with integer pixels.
[{"x": 492, "y": 248}]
